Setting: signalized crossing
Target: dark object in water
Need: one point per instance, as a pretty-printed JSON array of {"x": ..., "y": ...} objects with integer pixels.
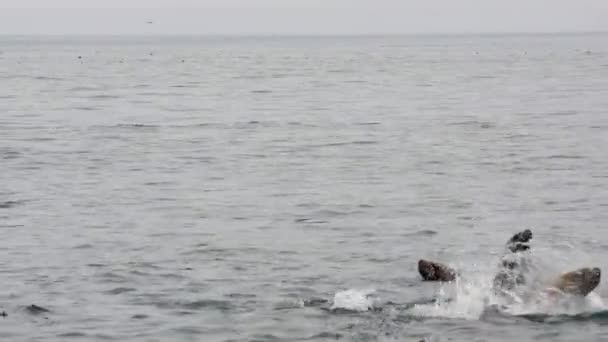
[
  {"x": 434, "y": 271},
  {"x": 523, "y": 236},
  {"x": 519, "y": 241},
  {"x": 36, "y": 310},
  {"x": 3, "y": 314},
  {"x": 579, "y": 282},
  {"x": 514, "y": 264}
]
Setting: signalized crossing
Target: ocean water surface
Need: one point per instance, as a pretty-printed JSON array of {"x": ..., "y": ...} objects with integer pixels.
[{"x": 283, "y": 189}]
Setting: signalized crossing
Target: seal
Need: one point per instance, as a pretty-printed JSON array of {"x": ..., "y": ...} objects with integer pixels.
[
  {"x": 511, "y": 272},
  {"x": 514, "y": 264},
  {"x": 434, "y": 271},
  {"x": 579, "y": 282}
]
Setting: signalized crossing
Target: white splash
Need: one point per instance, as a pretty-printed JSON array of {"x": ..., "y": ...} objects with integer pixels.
[
  {"x": 460, "y": 299},
  {"x": 469, "y": 298},
  {"x": 354, "y": 300}
]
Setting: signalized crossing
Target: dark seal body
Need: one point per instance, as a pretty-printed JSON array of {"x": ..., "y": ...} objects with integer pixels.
[
  {"x": 514, "y": 264},
  {"x": 579, "y": 282},
  {"x": 434, "y": 271}
]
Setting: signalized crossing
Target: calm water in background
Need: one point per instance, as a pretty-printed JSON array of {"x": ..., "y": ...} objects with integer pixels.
[{"x": 215, "y": 189}]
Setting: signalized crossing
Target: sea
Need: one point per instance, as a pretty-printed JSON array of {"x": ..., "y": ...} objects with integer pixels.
[{"x": 190, "y": 188}]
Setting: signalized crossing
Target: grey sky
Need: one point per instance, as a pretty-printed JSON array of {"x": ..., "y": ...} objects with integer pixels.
[{"x": 300, "y": 16}]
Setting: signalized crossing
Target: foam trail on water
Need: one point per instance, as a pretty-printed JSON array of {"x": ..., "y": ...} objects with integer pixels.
[{"x": 354, "y": 300}]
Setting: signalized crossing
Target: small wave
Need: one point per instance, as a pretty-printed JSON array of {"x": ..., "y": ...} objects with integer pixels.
[
  {"x": 474, "y": 123},
  {"x": 563, "y": 156},
  {"x": 73, "y": 334},
  {"x": 104, "y": 97},
  {"x": 483, "y": 77},
  {"x": 86, "y": 109},
  {"x": 84, "y": 246},
  {"x": 265, "y": 338},
  {"x": 315, "y": 302},
  {"x": 355, "y": 81},
  {"x": 159, "y": 183},
  {"x": 355, "y": 142},
  {"x": 381, "y": 260},
  {"x": 10, "y": 204},
  {"x": 424, "y": 232},
  {"x": 339, "y": 71},
  {"x": 310, "y": 220},
  {"x": 248, "y": 77},
  {"x": 120, "y": 290},
  {"x": 112, "y": 277},
  {"x": 220, "y": 305},
  {"x": 183, "y": 86},
  {"x": 599, "y": 316},
  {"x": 143, "y": 264},
  {"x": 41, "y": 139},
  {"x": 85, "y": 88},
  {"x": 288, "y": 305},
  {"x": 564, "y": 113},
  {"x": 325, "y": 335},
  {"x": 240, "y": 295},
  {"x": 334, "y": 213},
  {"x": 215, "y": 251},
  {"x": 47, "y": 78},
  {"x": 126, "y": 126},
  {"x": 159, "y": 94}
]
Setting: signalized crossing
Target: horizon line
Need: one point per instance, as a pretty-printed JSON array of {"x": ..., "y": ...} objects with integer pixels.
[{"x": 304, "y": 35}]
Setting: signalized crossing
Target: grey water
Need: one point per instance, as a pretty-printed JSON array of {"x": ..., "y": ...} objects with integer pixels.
[{"x": 226, "y": 188}]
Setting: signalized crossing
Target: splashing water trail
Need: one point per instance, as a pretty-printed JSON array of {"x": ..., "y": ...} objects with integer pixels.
[
  {"x": 464, "y": 298},
  {"x": 354, "y": 300}
]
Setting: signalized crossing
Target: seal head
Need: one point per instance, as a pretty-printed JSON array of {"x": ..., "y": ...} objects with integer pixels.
[{"x": 434, "y": 271}]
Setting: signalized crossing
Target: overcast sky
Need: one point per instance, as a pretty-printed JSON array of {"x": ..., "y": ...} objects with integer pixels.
[{"x": 300, "y": 16}]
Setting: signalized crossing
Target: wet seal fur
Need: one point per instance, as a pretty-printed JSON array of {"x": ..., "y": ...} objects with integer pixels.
[
  {"x": 514, "y": 264},
  {"x": 434, "y": 271},
  {"x": 579, "y": 282}
]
